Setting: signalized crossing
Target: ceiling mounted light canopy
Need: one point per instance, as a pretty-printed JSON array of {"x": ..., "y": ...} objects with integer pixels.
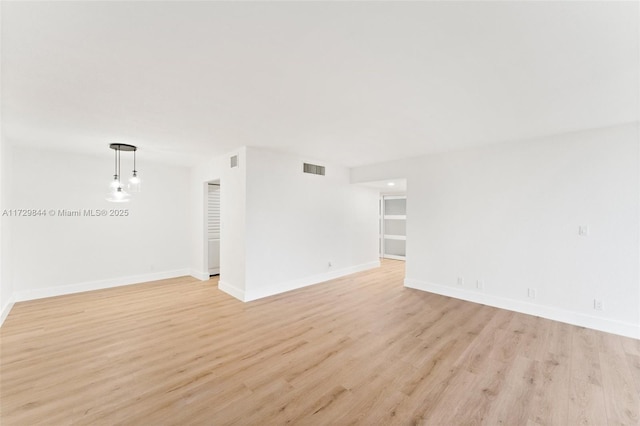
[{"x": 118, "y": 194}]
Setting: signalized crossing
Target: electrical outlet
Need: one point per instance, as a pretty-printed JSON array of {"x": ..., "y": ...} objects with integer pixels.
[
  {"x": 583, "y": 230},
  {"x": 460, "y": 280},
  {"x": 597, "y": 304},
  {"x": 531, "y": 293},
  {"x": 480, "y": 284}
]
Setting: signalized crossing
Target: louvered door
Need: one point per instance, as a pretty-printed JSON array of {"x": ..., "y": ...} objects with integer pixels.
[{"x": 213, "y": 228}]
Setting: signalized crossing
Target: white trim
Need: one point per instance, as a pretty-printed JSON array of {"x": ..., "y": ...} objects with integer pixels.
[
  {"x": 394, "y": 257},
  {"x": 6, "y": 309},
  {"x": 202, "y": 276},
  {"x": 231, "y": 290},
  {"x": 39, "y": 293},
  {"x": 395, "y": 237},
  {"x": 556, "y": 314},
  {"x": 395, "y": 217},
  {"x": 307, "y": 281}
]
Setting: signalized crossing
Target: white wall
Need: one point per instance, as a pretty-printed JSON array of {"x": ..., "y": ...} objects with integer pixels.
[
  {"x": 508, "y": 214},
  {"x": 280, "y": 227},
  {"x": 199, "y": 176},
  {"x": 6, "y": 282},
  {"x": 297, "y": 223},
  {"x": 233, "y": 237},
  {"x": 57, "y": 255},
  {"x": 6, "y": 285},
  {"x": 232, "y": 222}
]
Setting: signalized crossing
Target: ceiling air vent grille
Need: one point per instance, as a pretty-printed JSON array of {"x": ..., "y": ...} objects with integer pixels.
[
  {"x": 234, "y": 161},
  {"x": 313, "y": 169}
]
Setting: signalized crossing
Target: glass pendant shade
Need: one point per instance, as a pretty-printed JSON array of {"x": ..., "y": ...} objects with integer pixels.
[
  {"x": 134, "y": 182},
  {"x": 115, "y": 183},
  {"x": 119, "y": 196}
]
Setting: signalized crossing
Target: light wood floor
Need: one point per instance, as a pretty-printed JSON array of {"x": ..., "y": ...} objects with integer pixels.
[{"x": 358, "y": 350}]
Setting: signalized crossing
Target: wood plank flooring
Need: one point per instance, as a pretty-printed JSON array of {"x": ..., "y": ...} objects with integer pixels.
[{"x": 357, "y": 350}]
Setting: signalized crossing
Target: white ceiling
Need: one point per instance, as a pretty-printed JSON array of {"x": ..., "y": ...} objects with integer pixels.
[
  {"x": 387, "y": 186},
  {"x": 350, "y": 82}
]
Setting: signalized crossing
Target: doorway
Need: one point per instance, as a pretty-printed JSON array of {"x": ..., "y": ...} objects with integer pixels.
[
  {"x": 393, "y": 226},
  {"x": 213, "y": 228},
  {"x": 392, "y": 217}
]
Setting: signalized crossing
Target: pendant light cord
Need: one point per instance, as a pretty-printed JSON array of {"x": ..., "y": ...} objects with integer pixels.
[{"x": 119, "y": 169}]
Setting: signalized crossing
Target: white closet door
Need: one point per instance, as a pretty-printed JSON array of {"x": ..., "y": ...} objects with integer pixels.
[{"x": 213, "y": 228}]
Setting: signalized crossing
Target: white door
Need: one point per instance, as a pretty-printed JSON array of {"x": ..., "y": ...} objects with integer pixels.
[{"x": 213, "y": 228}]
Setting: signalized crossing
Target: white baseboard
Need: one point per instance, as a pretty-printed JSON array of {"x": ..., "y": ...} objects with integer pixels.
[
  {"x": 259, "y": 293},
  {"x": 202, "y": 276},
  {"x": 6, "y": 309},
  {"x": 231, "y": 290},
  {"x": 40, "y": 293},
  {"x": 552, "y": 313}
]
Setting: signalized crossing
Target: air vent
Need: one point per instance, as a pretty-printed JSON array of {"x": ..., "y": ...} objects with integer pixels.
[
  {"x": 234, "y": 161},
  {"x": 313, "y": 169}
]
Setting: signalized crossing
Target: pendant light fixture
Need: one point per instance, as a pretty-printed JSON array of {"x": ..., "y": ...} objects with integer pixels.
[
  {"x": 117, "y": 193},
  {"x": 134, "y": 180}
]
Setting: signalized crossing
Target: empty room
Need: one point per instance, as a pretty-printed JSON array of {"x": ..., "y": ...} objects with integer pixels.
[{"x": 319, "y": 213}]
